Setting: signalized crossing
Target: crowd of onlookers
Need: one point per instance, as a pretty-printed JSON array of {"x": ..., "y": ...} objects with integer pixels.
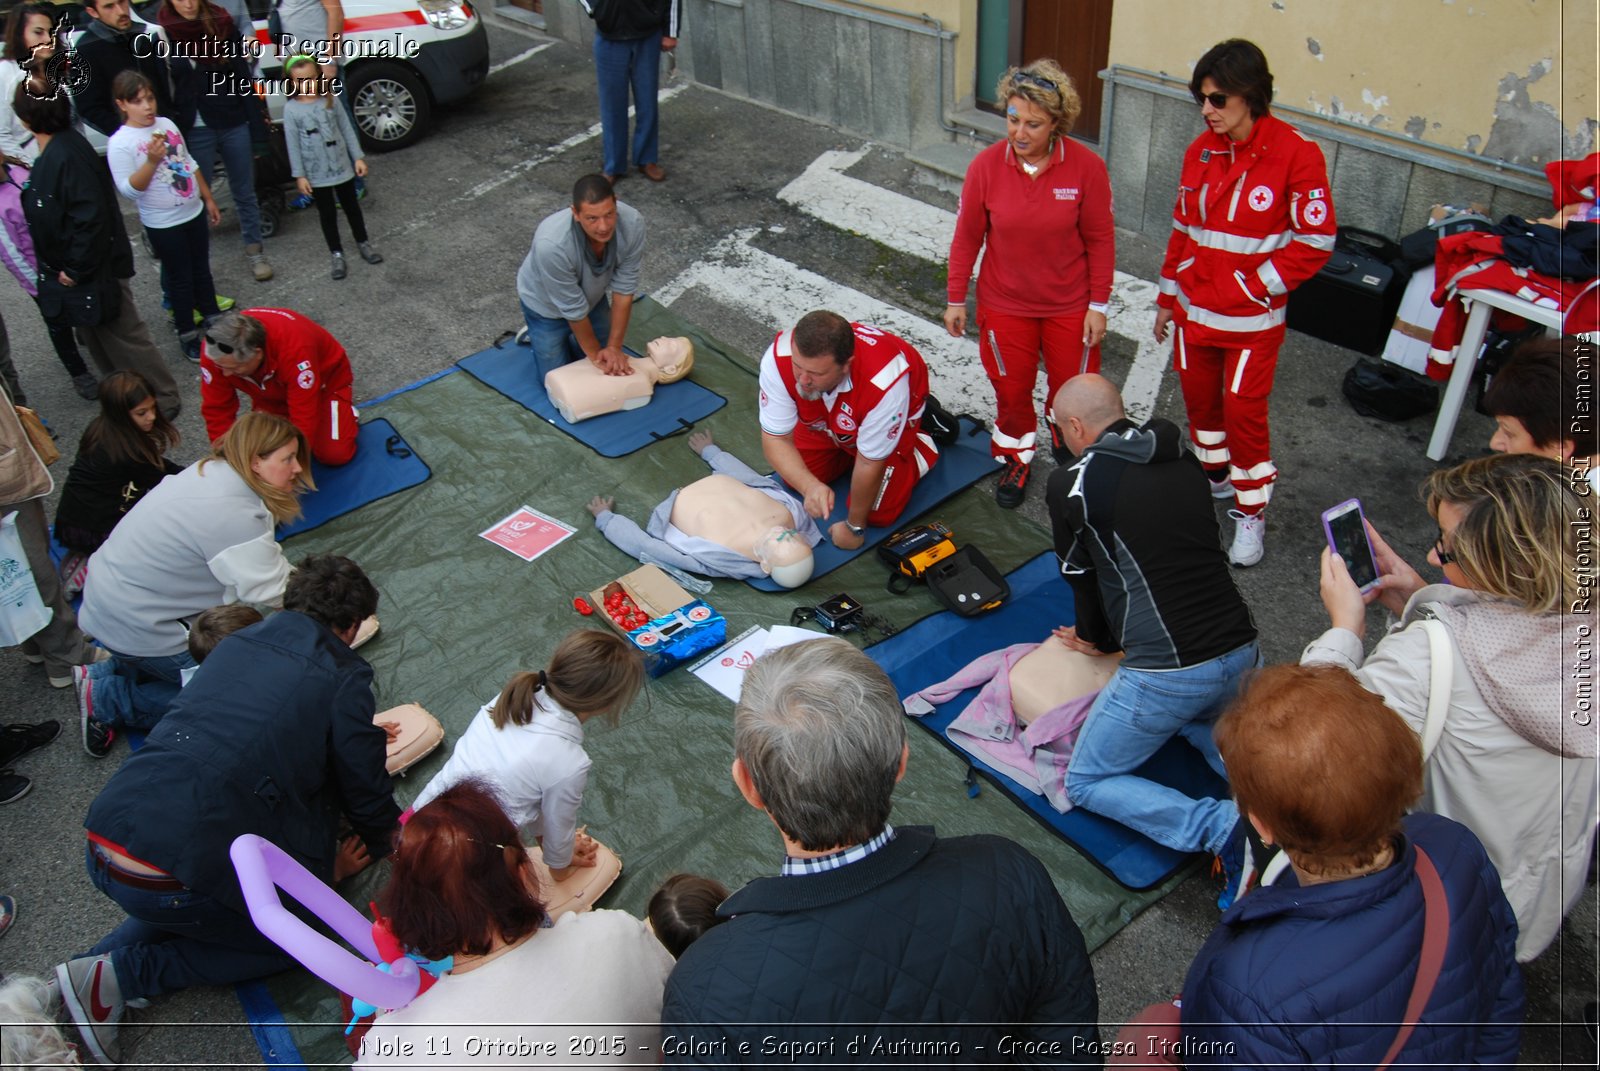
[{"x": 1406, "y": 824}]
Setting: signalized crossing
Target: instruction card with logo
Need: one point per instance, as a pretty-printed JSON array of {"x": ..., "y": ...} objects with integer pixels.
[
  {"x": 724, "y": 668},
  {"x": 527, "y": 533}
]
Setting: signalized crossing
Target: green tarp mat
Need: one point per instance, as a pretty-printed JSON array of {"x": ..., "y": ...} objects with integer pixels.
[{"x": 460, "y": 615}]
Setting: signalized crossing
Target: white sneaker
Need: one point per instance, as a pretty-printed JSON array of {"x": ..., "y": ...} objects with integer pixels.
[
  {"x": 1222, "y": 488},
  {"x": 1249, "y": 535}
]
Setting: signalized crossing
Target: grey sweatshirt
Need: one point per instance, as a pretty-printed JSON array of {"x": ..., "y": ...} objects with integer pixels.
[{"x": 322, "y": 142}]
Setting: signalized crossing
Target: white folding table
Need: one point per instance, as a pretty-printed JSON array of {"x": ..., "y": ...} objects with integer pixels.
[{"x": 1455, "y": 392}]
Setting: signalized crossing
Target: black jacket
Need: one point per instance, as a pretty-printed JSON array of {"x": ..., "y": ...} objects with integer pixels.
[
  {"x": 1137, "y": 537},
  {"x": 273, "y": 736},
  {"x": 964, "y": 943},
  {"x": 630, "y": 20},
  {"x": 98, "y": 491},
  {"x": 73, "y": 213},
  {"x": 104, "y": 54}
]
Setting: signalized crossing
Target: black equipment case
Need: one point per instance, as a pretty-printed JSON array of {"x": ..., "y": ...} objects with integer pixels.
[{"x": 1353, "y": 300}]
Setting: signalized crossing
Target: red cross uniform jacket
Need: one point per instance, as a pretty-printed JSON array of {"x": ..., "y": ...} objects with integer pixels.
[
  {"x": 303, "y": 365},
  {"x": 882, "y": 395},
  {"x": 1253, "y": 221}
]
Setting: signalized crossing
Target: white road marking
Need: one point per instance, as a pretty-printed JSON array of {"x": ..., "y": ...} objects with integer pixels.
[
  {"x": 905, "y": 224},
  {"x": 518, "y": 58},
  {"x": 451, "y": 207}
]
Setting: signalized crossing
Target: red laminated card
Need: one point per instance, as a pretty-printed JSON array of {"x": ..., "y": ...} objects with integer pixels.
[{"x": 527, "y": 533}]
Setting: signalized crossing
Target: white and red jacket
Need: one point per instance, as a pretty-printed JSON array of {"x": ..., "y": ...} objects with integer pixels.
[
  {"x": 881, "y": 396},
  {"x": 1253, "y": 221},
  {"x": 302, "y": 365}
]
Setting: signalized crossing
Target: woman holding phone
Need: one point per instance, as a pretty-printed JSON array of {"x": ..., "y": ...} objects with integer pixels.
[{"x": 1515, "y": 761}]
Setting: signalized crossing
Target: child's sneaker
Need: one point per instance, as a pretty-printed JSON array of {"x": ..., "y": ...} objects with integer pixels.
[
  {"x": 369, "y": 254},
  {"x": 189, "y": 343},
  {"x": 301, "y": 200},
  {"x": 339, "y": 270}
]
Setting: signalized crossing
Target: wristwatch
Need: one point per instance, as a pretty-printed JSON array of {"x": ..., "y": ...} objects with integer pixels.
[{"x": 858, "y": 531}]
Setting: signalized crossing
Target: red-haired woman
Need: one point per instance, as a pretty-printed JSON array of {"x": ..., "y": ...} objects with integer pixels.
[{"x": 463, "y": 887}]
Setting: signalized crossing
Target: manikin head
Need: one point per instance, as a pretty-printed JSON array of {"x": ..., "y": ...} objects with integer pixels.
[
  {"x": 784, "y": 556},
  {"x": 671, "y": 358}
]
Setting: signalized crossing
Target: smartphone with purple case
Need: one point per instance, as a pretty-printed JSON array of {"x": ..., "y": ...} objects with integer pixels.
[{"x": 1346, "y": 528}]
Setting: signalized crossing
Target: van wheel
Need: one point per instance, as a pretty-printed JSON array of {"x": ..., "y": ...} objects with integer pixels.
[{"x": 391, "y": 105}]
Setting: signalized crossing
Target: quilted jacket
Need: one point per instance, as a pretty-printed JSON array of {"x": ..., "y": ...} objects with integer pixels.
[
  {"x": 1296, "y": 976},
  {"x": 968, "y": 930}
]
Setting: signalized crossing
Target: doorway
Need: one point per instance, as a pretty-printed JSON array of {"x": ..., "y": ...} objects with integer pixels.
[{"x": 1075, "y": 33}]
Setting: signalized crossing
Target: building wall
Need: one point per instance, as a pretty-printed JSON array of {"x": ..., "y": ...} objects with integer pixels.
[{"x": 1508, "y": 79}]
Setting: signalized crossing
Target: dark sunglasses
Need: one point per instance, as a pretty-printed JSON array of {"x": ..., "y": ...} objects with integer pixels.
[
  {"x": 1444, "y": 556},
  {"x": 1023, "y": 79},
  {"x": 1218, "y": 100},
  {"x": 221, "y": 347}
]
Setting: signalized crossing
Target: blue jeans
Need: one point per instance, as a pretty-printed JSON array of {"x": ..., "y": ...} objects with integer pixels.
[
  {"x": 136, "y": 692},
  {"x": 233, "y": 144},
  {"x": 552, "y": 339},
  {"x": 176, "y": 939},
  {"x": 1136, "y": 713},
  {"x": 185, "y": 254},
  {"x": 621, "y": 65}
]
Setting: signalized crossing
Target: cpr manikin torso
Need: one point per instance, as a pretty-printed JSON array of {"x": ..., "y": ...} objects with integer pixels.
[
  {"x": 579, "y": 390},
  {"x": 1053, "y": 674}
]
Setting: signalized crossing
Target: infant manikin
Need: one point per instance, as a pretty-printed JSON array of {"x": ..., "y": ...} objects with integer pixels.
[
  {"x": 734, "y": 523},
  {"x": 579, "y": 390}
]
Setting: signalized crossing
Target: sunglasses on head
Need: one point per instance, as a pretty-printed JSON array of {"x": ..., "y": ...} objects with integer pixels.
[
  {"x": 1217, "y": 100},
  {"x": 1022, "y": 78},
  {"x": 221, "y": 346}
]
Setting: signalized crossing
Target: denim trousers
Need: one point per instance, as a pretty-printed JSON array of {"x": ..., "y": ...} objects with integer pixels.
[
  {"x": 1135, "y": 714},
  {"x": 136, "y": 692},
  {"x": 232, "y": 143},
  {"x": 185, "y": 255},
  {"x": 620, "y": 66},
  {"x": 175, "y": 939},
  {"x": 552, "y": 339}
]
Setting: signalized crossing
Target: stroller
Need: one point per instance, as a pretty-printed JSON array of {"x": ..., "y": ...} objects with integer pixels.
[{"x": 270, "y": 154}]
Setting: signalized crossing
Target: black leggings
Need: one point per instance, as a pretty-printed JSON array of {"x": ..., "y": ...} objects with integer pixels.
[{"x": 328, "y": 216}]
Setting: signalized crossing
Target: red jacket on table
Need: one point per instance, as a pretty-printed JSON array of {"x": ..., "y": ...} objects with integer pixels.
[
  {"x": 1051, "y": 241},
  {"x": 302, "y": 365},
  {"x": 1253, "y": 221}
]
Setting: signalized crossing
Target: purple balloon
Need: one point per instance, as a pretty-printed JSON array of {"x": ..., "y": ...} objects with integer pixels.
[{"x": 263, "y": 869}]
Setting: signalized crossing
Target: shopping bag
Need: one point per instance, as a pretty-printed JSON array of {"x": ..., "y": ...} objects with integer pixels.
[{"x": 22, "y": 612}]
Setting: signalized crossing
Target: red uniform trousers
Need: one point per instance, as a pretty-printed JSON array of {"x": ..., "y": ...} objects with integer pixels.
[
  {"x": 333, "y": 442},
  {"x": 1225, "y": 391},
  {"x": 828, "y": 461},
  {"x": 1010, "y": 347}
]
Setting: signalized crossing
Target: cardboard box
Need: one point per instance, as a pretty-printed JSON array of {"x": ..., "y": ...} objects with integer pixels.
[{"x": 681, "y": 627}]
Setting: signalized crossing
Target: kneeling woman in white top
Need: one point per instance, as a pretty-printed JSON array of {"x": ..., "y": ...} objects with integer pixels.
[
  {"x": 527, "y": 745},
  {"x": 464, "y": 886}
]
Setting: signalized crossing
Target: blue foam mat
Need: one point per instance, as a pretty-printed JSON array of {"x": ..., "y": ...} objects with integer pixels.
[
  {"x": 674, "y": 407},
  {"x": 959, "y": 466},
  {"x": 936, "y": 647},
  {"x": 372, "y": 474}
]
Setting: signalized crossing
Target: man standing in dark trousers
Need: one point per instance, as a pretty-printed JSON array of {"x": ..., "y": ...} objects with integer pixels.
[
  {"x": 935, "y": 950},
  {"x": 629, "y": 37},
  {"x": 1139, "y": 545},
  {"x": 273, "y": 736},
  {"x": 113, "y": 42}
]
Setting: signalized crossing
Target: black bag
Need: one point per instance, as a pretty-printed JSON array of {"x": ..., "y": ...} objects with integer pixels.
[
  {"x": 966, "y": 583},
  {"x": 1389, "y": 392},
  {"x": 89, "y": 304},
  {"x": 1352, "y": 301}
]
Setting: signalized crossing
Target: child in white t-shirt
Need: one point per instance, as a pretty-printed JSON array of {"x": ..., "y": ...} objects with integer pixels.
[
  {"x": 152, "y": 167},
  {"x": 527, "y": 745}
]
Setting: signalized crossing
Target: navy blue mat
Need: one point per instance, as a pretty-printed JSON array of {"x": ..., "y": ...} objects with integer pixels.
[
  {"x": 510, "y": 369},
  {"x": 936, "y": 647},
  {"x": 959, "y": 467},
  {"x": 384, "y": 464}
]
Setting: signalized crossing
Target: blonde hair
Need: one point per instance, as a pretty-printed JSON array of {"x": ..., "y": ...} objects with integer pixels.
[
  {"x": 591, "y": 673},
  {"x": 1518, "y": 537},
  {"x": 1062, "y": 105},
  {"x": 258, "y": 434}
]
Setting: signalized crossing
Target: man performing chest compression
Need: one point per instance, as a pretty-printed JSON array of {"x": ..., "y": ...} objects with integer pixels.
[{"x": 838, "y": 397}]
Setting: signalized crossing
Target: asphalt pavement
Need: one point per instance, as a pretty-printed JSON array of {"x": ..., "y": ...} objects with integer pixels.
[{"x": 453, "y": 216}]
